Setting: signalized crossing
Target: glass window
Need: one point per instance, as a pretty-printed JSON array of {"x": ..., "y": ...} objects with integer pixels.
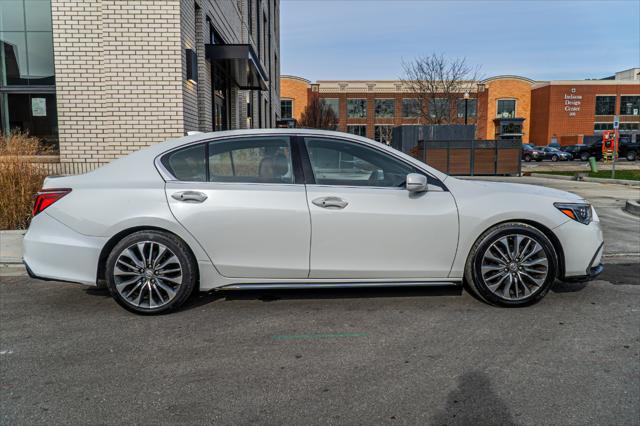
[
  {"x": 602, "y": 126},
  {"x": 254, "y": 160},
  {"x": 438, "y": 107},
  {"x": 336, "y": 162},
  {"x": 385, "y": 108},
  {"x": 357, "y": 130},
  {"x": 410, "y": 107},
  {"x": 34, "y": 113},
  {"x": 12, "y": 15},
  {"x": 506, "y": 108},
  {"x": 382, "y": 133},
  {"x": 629, "y": 126},
  {"x": 629, "y": 105},
  {"x": 472, "y": 105},
  {"x": 356, "y": 108},
  {"x": 334, "y": 104},
  {"x": 40, "y": 57},
  {"x": 605, "y": 105},
  {"x": 187, "y": 164},
  {"x": 38, "y": 14},
  {"x": 13, "y": 58},
  {"x": 286, "y": 108}
]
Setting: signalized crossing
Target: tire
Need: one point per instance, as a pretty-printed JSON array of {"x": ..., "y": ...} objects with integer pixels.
[
  {"x": 584, "y": 156},
  {"x": 527, "y": 158},
  {"x": 631, "y": 156},
  {"x": 156, "y": 272},
  {"x": 554, "y": 158},
  {"x": 524, "y": 291}
]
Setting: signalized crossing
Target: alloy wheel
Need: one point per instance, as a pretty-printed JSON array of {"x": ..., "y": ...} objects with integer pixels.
[
  {"x": 514, "y": 267},
  {"x": 147, "y": 274}
]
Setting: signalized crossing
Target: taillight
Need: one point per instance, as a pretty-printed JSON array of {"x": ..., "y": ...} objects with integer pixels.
[{"x": 46, "y": 197}]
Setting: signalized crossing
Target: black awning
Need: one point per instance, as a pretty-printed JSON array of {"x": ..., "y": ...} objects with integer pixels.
[{"x": 242, "y": 64}]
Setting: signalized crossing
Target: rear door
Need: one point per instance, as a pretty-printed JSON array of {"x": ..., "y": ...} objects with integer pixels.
[
  {"x": 243, "y": 201},
  {"x": 365, "y": 224}
]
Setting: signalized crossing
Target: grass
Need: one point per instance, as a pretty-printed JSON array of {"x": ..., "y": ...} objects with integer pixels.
[{"x": 606, "y": 174}]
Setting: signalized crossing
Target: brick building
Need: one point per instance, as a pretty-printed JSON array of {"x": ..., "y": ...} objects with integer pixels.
[
  {"x": 502, "y": 107},
  {"x": 132, "y": 73}
]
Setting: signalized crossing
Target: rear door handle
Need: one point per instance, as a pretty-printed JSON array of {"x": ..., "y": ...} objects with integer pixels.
[
  {"x": 330, "y": 202},
  {"x": 189, "y": 196}
]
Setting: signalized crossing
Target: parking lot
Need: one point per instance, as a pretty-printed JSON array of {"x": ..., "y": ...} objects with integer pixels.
[{"x": 69, "y": 354}]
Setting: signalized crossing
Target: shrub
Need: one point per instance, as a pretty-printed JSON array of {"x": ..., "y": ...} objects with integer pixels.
[{"x": 20, "y": 179}]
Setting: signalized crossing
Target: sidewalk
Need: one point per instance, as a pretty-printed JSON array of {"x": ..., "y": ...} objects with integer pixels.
[{"x": 11, "y": 247}]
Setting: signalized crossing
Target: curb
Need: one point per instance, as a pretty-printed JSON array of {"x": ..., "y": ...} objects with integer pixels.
[
  {"x": 589, "y": 179},
  {"x": 633, "y": 207}
]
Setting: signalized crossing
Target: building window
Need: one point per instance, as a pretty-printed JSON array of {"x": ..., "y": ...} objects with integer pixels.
[
  {"x": 629, "y": 126},
  {"x": 334, "y": 104},
  {"x": 356, "y": 108},
  {"x": 385, "y": 108},
  {"x": 286, "y": 109},
  {"x": 506, "y": 108},
  {"x": 438, "y": 107},
  {"x": 382, "y": 133},
  {"x": 605, "y": 105},
  {"x": 629, "y": 105},
  {"x": 357, "y": 130},
  {"x": 410, "y": 107},
  {"x": 472, "y": 107},
  {"x": 27, "y": 81},
  {"x": 598, "y": 127}
]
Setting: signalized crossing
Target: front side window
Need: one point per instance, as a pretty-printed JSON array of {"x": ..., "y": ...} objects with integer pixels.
[
  {"x": 472, "y": 106},
  {"x": 438, "y": 107},
  {"x": 286, "y": 109},
  {"x": 357, "y": 130},
  {"x": 382, "y": 134},
  {"x": 506, "y": 108},
  {"x": 385, "y": 108},
  {"x": 338, "y": 162},
  {"x": 251, "y": 160},
  {"x": 410, "y": 107},
  {"x": 629, "y": 105},
  {"x": 356, "y": 108},
  {"x": 605, "y": 105}
]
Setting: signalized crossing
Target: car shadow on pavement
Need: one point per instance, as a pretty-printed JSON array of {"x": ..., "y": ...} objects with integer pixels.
[
  {"x": 568, "y": 287},
  {"x": 201, "y": 299},
  {"x": 473, "y": 401}
]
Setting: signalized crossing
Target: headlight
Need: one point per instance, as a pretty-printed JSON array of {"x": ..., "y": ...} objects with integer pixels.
[{"x": 580, "y": 212}]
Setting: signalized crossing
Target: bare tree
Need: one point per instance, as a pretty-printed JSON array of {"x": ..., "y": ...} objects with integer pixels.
[
  {"x": 318, "y": 115},
  {"x": 438, "y": 83}
]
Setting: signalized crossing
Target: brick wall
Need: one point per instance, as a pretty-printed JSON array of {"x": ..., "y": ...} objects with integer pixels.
[
  {"x": 504, "y": 88},
  {"x": 118, "y": 76},
  {"x": 553, "y": 119},
  {"x": 296, "y": 89}
]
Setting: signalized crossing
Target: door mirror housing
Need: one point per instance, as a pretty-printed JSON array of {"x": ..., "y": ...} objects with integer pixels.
[{"x": 416, "y": 182}]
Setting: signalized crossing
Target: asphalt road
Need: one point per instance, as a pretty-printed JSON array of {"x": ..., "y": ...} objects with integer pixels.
[{"x": 70, "y": 355}]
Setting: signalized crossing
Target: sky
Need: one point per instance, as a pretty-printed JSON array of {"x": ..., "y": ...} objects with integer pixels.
[{"x": 539, "y": 39}]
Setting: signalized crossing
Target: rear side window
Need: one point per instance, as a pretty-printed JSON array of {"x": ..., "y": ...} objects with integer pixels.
[
  {"x": 251, "y": 160},
  {"x": 188, "y": 164},
  {"x": 243, "y": 160}
]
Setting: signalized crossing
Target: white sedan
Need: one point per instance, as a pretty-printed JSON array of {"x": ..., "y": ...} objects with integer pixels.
[{"x": 294, "y": 208}]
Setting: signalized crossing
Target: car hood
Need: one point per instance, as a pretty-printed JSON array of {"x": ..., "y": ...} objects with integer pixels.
[{"x": 510, "y": 189}]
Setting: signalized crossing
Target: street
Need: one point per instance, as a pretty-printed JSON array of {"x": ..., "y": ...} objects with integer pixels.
[{"x": 70, "y": 355}]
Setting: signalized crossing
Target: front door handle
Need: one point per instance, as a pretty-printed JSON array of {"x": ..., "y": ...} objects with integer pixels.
[
  {"x": 330, "y": 202},
  {"x": 189, "y": 196}
]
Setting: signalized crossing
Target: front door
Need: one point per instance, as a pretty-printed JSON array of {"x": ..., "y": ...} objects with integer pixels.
[
  {"x": 365, "y": 224},
  {"x": 241, "y": 200}
]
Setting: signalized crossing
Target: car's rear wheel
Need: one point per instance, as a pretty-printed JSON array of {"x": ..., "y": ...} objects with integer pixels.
[
  {"x": 631, "y": 156},
  {"x": 151, "y": 272},
  {"x": 512, "y": 264},
  {"x": 527, "y": 158},
  {"x": 584, "y": 156},
  {"x": 554, "y": 158}
]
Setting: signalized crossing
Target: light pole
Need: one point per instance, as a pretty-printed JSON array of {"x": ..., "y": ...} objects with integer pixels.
[{"x": 466, "y": 103}]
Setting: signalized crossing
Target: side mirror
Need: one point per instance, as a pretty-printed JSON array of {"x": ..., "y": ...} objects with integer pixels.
[{"x": 416, "y": 182}]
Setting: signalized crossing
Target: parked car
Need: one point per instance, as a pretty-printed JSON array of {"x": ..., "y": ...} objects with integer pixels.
[
  {"x": 554, "y": 154},
  {"x": 529, "y": 152},
  {"x": 630, "y": 151},
  {"x": 280, "y": 208},
  {"x": 576, "y": 151}
]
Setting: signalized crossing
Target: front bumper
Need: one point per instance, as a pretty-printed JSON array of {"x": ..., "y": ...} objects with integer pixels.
[{"x": 583, "y": 247}]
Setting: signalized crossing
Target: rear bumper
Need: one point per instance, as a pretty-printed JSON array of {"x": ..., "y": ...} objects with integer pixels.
[{"x": 55, "y": 252}]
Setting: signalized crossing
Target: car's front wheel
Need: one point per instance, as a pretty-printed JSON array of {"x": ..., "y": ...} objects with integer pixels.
[
  {"x": 512, "y": 264},
  {"x": 554, "y": 158},
  {"x": 584, "y": 156},
  {"x": 527, "y": 158},
  {"x": 151, "y": 272},
  {"x": 631, "y": 156}
]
